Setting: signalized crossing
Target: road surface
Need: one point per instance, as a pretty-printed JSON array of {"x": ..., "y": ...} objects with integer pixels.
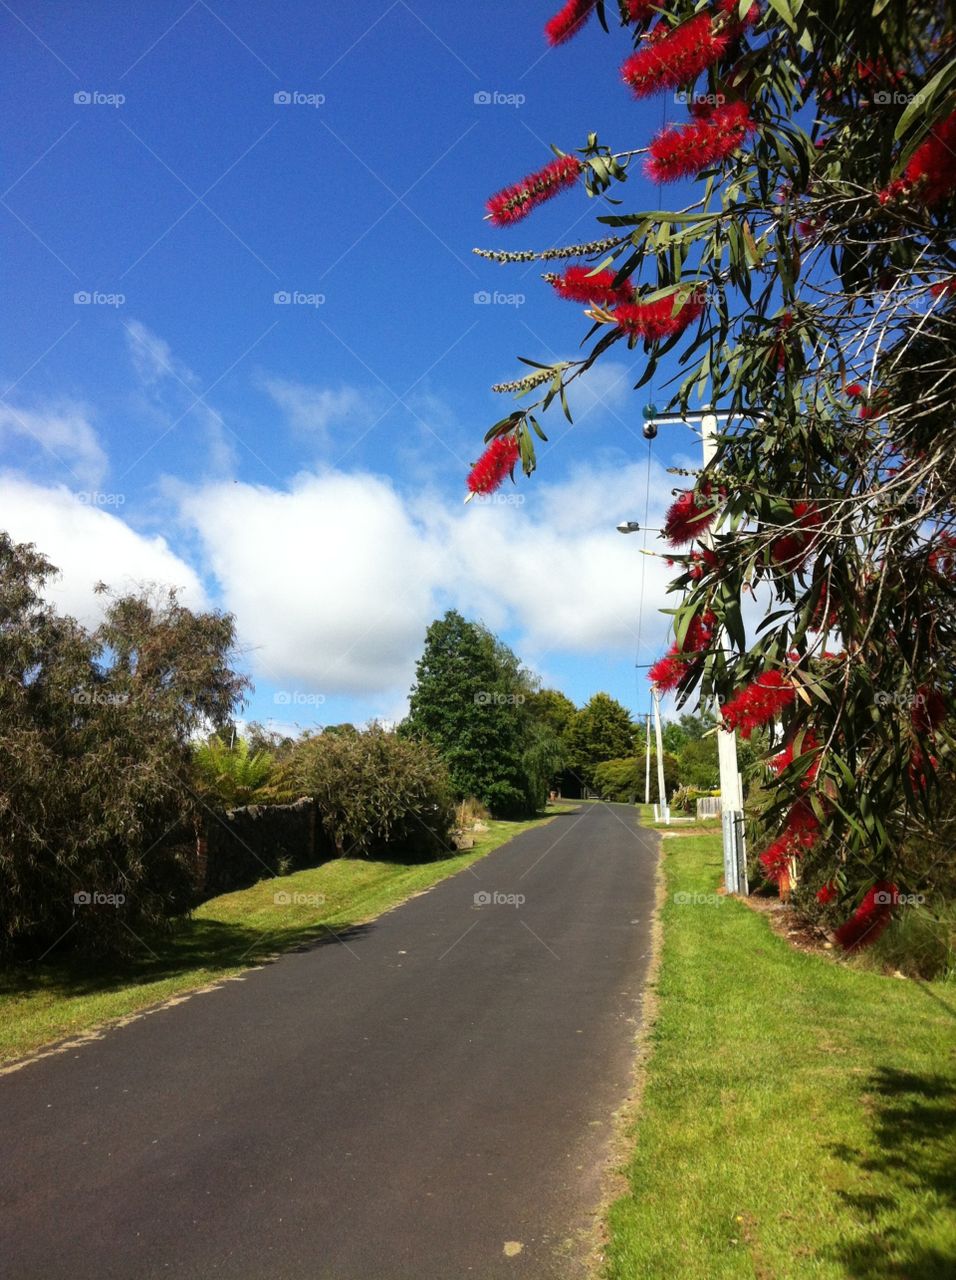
[{"x": 431, "y": 1099}]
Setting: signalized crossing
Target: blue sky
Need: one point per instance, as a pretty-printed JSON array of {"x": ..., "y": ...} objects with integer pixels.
[{"x": 302, "y": 463}]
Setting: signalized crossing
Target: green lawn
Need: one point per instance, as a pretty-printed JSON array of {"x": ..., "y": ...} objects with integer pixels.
[
  {"x": 798, "y": 1115},
  {"x": 62, "y": 997}
]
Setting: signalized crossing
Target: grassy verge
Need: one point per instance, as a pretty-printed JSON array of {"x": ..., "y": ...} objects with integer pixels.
[
  {"x": 61, "y": 996},
  {"x": 797, "y": 1114}
]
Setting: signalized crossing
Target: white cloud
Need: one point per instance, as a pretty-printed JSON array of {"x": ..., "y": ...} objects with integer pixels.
[
  {"x": 313, "y": 410},
  {"x": 331, "y": 581},
  {"x": 177, "y": 391},
  {"x": 334, "y": 580},
  {"x": 64, "y": 433},
  {"x": 89, "y": 544}
]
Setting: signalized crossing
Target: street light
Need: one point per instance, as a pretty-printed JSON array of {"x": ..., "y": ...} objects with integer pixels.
[
  {"x": 628, "y": 526},
  {"x": 731, "y": 791}
]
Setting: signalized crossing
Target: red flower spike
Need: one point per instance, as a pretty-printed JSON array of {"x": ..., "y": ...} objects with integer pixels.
[
  {"x": 827, "y": 893},
  {"x": 783, "y": 759},
  {"x": 870, "y": 918},
  {"x": 791, "y": 549},
  {"x": 943, "y": 288},
  {"x": 931, "y": 172},
  {"x": 683, "y": 151},
  {"x": 700, "y": 631},
  {"x": 515, "y": 202},
  {"x": 639, "y": 10},
  {"x": 673, "y": 56},
  {"x": 758, "y": 703},
  {"x": 929, "y": 710},
  {"x": 701, "y": 561},
  {"x": 579, "y": 285},
  {"x": 494, "y": 464},
  {"x": 688, "y": 517},
  {"x": 668, "y": 671},
  {"x": 656, "y": 320},
  {"x": 569, "y": 21}
]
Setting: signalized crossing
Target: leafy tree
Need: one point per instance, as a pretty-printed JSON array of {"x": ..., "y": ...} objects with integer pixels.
[
  {"x": 467, "y": 701},
  {"x": 623, "y": 780},
  {"x": 809, "y": 283},
  {"x": 601, "y": 730},
  {"x": 687, "y": 728},
  {"x": 552, "y": 708},
  {"x": 378, "y": 795},
  {"x": 697, "y": 764},
  {"x": 96, "y": 805}
]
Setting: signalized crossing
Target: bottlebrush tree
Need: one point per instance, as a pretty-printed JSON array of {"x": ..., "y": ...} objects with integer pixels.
[{"x": 807, "y": 287}]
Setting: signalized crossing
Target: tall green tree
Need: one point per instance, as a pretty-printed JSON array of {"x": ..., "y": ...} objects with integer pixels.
[
  {"x": 601, "y": 730},
  {"x": 468, "y": 701},
  {"x": 96, "y": 729}
]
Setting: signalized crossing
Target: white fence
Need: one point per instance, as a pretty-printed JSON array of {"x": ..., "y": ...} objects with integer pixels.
[{"x": 708, "y": 807}]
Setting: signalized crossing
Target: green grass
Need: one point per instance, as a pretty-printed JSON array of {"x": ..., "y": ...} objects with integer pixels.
[
  {"x": 63, "y": 996},
  {"x": 797, "y": 1114}
]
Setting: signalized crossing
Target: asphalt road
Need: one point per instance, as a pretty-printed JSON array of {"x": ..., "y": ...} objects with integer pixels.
[{"x": 431, "y": 1099}]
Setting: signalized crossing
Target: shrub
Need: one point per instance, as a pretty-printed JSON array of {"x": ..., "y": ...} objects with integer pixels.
[
  {"x": 378, "y": 795},
  {"x": 623, "y": 780}
]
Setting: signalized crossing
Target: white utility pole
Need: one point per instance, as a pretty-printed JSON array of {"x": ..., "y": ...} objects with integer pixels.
[
  {"x": 647, "y": 762},
  {"x": 661, "y": 790},
  {"x": 731, "y": 791}
]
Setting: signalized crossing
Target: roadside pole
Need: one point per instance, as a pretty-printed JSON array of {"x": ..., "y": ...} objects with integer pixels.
[
  {"x": 647, "y": 762},
  {"x": 661, "y": 790}
]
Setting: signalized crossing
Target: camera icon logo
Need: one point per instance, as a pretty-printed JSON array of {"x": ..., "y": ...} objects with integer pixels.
[
  {"x": 482, "y": 898},
  {"x": 882, "y": 98},
  {"x": 282, "y": 298},
  {"x": 282, "y": 898},
  {"x": 482, "y": 98},
  {"x": 482, "y": 297},
  {"x": 282, "y": 98},
  {"x": 82, "y": 98},
  {"x": 82, "y": 299},
  {"x": 82, "y": 898}
]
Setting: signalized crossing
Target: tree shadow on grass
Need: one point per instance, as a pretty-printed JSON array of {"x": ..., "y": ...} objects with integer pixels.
[
  {"x": 912, "y": 1159},
  {"x": 193, "y": 944}
]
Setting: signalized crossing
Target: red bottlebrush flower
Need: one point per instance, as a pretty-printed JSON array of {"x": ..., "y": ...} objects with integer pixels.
[
  {"x": 791, "y": 549},
  {"x": 690, "y": 515},
  {"x": 653, "y": 321},
  {"x": 638, "y": 10},
  {"x": 758, "y": 703},
  {"x": 783, "y": 759},
  {"x": 931, "y": 172},
  {"x": 870, "y": 918},
  {"x": 516, "y": 202},
  {"x": 943, "y": 288},
  {"x": 929, "y": 710},
  {"x": 579, "y": 285},
  {"x": 780, "y": 346},
  {"x": 917, "y": 769},
  {"x": 668, "y": 671},
  {"x": 699, "y": 633},
  {"x": 569, "y": 21},
  {"x": 494, "y": 464},
  {"x": 701, "y": 561},
  {"x": 854, "y": 391},
  {"x": 673, "y": 56},
  {"x": 827, "y": 894},
  {"x": 942, "y": 559},
  {"x": 798, "y": 836},
  {"x": 683, "y": 151}
]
